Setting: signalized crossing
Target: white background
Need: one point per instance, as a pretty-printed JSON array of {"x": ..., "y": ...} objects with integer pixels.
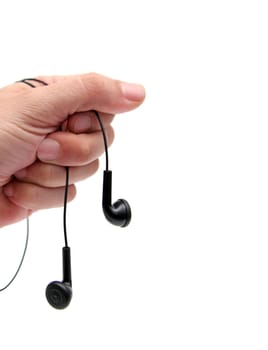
[{"x": 190, "y": 272}]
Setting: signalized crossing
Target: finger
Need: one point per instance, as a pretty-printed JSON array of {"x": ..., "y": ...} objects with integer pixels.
[
  {"x": 79, "y": 93},
  {"x": 86, "y": 122},
  {"x": 49, "y": 175},
  {"x": 64, "y": 148},
  {"x": 33, "y": 197}
]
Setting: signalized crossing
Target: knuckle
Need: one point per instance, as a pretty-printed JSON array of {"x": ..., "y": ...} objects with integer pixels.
[
  {"x": 110, "y": 134},
  {"x": 92, "y": 83},
  {"x": 93, "y": 76},
  {"x": 92, "y": 168},
  {"x": 26, "y": 195},
  {"x": 41, "y": 174},
  {"x": 71, "y": 192},
  {"x": 95, "y": 166},
  {"x": 85, "y": 153},
  {"x": 47, "y": 174}
]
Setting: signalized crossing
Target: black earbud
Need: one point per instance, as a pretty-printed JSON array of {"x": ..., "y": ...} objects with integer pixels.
[
  {"x": 59, "y": 294},
  {"x": 118, "y": 213}
]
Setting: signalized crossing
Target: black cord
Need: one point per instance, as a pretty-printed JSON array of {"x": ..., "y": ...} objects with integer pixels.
[
  {"x": 104, "y": 139},
  {"x": 22, "y": 259},
  {"x": 25, "y": 81},
  {"x": 65, "y": 207}
]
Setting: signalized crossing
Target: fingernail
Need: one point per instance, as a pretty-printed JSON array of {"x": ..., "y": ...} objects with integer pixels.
[
  {"x": 82, "y": 124},
  {"x": 133, "y": 92},
  {"x": 8, "y": 190},
  {"x": 48, "y": 149}
]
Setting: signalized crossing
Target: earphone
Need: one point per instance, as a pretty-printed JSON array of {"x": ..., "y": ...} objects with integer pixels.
[
  {"x": 59, "y": 293},
  {"x": 118, "y": 213}
]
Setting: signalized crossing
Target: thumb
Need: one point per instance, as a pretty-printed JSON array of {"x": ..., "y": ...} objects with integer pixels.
[{"x": 66, "y": 95}]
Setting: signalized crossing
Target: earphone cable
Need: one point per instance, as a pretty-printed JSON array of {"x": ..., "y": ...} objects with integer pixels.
[
  {"x": 104, "y": 139},
  {"x": 65, "y": 206},
  {"x": 25, "y": 81},
  {"x": 21, "y": 260}
]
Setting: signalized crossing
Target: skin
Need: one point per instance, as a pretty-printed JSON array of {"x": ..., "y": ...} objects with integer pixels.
[{"x": 42, "y": 130}]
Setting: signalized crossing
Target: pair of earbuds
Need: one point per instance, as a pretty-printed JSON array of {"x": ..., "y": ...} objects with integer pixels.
[{"x": 59, "y": 293}]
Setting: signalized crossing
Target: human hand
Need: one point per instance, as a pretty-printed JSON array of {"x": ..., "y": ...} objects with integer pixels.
[{"x": 30, "y": 120}]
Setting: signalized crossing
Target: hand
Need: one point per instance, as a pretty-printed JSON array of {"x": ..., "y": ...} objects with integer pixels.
[{"x": 29, "y": 137}]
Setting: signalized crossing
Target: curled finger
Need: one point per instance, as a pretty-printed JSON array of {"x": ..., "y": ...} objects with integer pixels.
[
  {"x": 34, "y": 197},
  {"x": 84, "y": 122},
  {"x": 50, "y": 175},
  {"x": 68, "y": 149}
]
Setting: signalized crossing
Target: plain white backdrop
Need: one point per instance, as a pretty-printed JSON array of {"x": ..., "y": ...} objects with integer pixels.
[{"x": 190, "y": 272}]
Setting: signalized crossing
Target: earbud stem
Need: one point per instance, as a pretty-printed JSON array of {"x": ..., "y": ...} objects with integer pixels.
[
  {"x": 66, "y": 263},
  {"x": 107, "y": 189}
]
